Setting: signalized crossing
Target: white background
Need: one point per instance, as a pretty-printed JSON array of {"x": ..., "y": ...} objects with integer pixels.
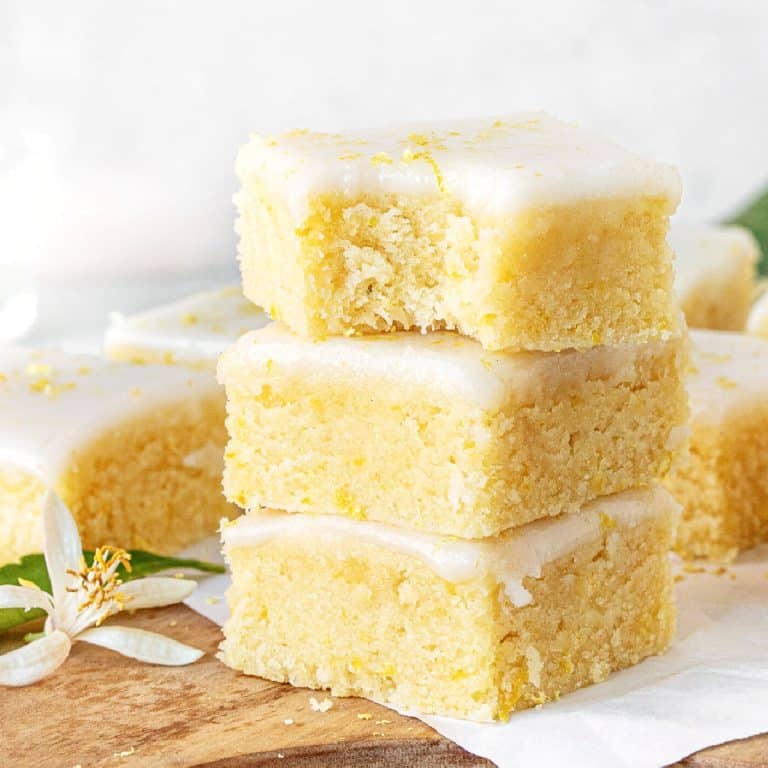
[{"x": 119, "y": 121}]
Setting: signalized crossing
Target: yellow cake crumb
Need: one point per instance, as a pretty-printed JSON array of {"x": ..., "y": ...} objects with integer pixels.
[
  {"x": 313, "y": 431},
  {"x": 607, "y": 522},
  {"x": 723, "y": 482},
  {"x": 726, "y": 383},
  {"x": 381, "y": 158},
  {"x": 117, "y": 463},
  {"x": 320, "y": 706},
  {"x": 460, "y": 649},
  {"x": 715, "y": 275},
  {"x": 537, "y": 271}
]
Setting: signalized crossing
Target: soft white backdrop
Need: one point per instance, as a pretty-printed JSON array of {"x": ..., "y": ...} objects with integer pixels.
[{"x": 119, "y": 121}]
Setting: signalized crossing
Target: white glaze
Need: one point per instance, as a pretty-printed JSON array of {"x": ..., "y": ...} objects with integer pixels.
[
  {"x": 494, "y": 167},
  {"x": 195, "y": 330},
  {"x": 443, "y": 360},
  {"x": 730, "y": 372},
  {"x": 709, "y": 253},
  {"x": 41, "y": 427},
  {"x": 509, "y": 558},
  {"x": 757, "y": 323}
]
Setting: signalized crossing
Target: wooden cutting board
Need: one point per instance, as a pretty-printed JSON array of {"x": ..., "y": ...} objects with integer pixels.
[{"x": 103, "y": 710}]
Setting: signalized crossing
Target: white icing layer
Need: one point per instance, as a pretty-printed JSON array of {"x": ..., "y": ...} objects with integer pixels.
[
  {"x": 494, "y": 167},
  {"x": 509, "y": 558},
  {"x": 707, "y": 253},
  {"x": 730, "y": 371},
  {"x": 194, "y": 331},
  {"x": 442, "y": 360},
  {"x": 52, "y": 403},
  {"x": 757, "y": 323}
]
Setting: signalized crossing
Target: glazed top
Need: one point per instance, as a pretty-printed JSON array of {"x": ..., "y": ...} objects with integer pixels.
[
  {"x": 729, "y": 374},
  {"x": 53, "y": 403},
  {"x": 704, "y": 252},
  {"x": 193, "y": 331},
  {"x": 443, "y": 361},
  {"x": 509, "y": 558},
  {"x": 494, "y": 167},
  {"x": 757, "y": 323}
]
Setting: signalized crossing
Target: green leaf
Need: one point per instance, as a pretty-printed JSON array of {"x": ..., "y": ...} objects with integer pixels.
[
  {"x": 755, "y": 218},
  {"x": 32, "y": 568},
  {"x": 146, "y": 563}
]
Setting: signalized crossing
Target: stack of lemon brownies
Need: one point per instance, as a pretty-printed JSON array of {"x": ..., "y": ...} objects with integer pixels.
[{"x": 447, "y": 442}]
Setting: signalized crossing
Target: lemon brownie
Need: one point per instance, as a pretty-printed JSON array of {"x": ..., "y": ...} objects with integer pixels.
[
  {"x": 757, "y": 322},
  {"x": 472, "y": 629},
  {"x": 525, "y": 233},
  {"x": 715, "y": 275},
  {"x": 723, "y": 485},
  {"x": 193, "y": 331},
  {"x": 134, "y": 451},
  {"x": 435, "y": 433}
]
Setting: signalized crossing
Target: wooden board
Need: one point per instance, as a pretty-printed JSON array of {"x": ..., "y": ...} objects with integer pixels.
[{"x": 103, "y": 710}]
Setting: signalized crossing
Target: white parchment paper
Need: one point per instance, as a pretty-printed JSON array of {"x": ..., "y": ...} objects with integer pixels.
[{"x": 711, "y": 687}]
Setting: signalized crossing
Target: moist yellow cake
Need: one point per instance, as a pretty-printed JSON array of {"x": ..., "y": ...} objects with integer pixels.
[
  {"x": 523, "y": 233},
  {"x": 723, "y": 485},
  {"x": 134, "y": 451},
  {"x": 471, "y": 629},
  {"x": 432, "y": 432},
  {"x": 193, "y": 331},
  {"x": 715, "y": 275},
  {"x": 757, "y": 323}
]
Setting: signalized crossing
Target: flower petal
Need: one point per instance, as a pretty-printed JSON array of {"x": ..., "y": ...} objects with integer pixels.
[
  {"x": 155, "y": 592},
  {"x": 61, "y": 544},
  {"x": 35, "y": 661},
  {"x": 27, "y": 598},
  {"x": 142, "y": 645}
]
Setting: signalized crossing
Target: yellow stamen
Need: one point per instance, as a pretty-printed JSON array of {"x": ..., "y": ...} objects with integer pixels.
[{"x": 99, "y": 582}]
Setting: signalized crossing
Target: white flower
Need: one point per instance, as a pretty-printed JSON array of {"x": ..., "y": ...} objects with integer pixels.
[{"x": 82, "y": 598}]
